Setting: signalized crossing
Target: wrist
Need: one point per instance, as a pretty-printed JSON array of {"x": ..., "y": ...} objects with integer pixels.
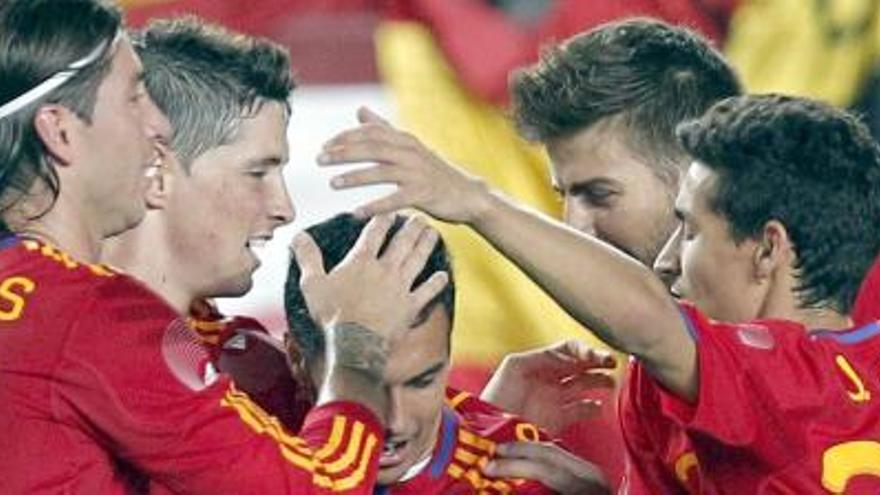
[
  {"x": 357, "y": 348},
  {"x": 482, "y": 204}
]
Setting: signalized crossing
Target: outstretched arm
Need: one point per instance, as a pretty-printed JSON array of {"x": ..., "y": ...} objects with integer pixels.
[{"x": 615, "y": 296}]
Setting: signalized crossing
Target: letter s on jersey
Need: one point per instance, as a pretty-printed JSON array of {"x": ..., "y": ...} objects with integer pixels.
[{"x": 12, "y": 300}]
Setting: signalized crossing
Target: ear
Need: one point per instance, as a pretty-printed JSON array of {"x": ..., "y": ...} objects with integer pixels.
[
  {"x": 161, "y": 176},
  {"x": 773, "y": 250},
  {"x": 55, "y": 125}
]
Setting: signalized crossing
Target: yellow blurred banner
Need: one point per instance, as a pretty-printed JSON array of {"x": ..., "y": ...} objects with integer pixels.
[
  {"x": 498, "y": 309},
  {"x": 819, "y": 48}
]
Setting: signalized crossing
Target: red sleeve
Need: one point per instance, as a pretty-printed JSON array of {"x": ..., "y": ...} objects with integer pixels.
[
  {"x": 646, "y": 471},
  {"x": 158, "y": 405},
  {"x": 751, "y": 376}
]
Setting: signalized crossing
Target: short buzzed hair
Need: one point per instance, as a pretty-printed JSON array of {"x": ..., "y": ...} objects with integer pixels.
[{"x": 206, "y": 79}]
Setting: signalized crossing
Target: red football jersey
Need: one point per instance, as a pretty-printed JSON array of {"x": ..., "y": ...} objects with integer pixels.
[
  {"x": 469, "y": 433},
  {"x": 104, "y": 389},
  {"x": 780, "y": 409},
  {"x": 242, "y": 348}
]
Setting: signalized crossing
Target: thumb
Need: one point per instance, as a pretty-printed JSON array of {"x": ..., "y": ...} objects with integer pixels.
[
  {"x": 307, "y": 255},
  {"x": 367, "y": 116}
]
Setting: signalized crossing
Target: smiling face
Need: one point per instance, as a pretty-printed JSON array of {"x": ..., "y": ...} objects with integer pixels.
[
  {"x": 118, "y": 146},
  {"x": 230, "y": 202},
  {"x": 611, "y": 193}
]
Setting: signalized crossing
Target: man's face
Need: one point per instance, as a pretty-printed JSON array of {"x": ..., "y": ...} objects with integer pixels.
[
  {"x": 610, "y": 192},
  {"x": 119, "y": 146},
  {"x": 712, "y": 270},
  {"x": 416, "y": 374},
  {"x": 230, "y": 202}
]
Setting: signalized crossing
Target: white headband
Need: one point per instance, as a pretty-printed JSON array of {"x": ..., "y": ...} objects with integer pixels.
[{"x": 59, "y": 78}]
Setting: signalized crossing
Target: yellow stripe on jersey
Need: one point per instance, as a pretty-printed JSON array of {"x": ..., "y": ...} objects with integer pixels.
[
  {"x": 476, "y": 442},
  {"x": 335, "y": 440},
  {"x": 65, "y": 259},
  {"x": 354, "y": 446},
  {"x": 297, "y": 452},
  {"x": 360, "y": 472},
  {"x": 468, "y": 465},
  {"x": 457, "y": 399}
]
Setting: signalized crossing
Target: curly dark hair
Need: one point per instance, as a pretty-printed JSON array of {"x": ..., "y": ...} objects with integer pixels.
[
  {"x": 206, "y": 79},
  {"x": 335, "y": 238},
  {"x": 810, "y": 166},
  {"x": 646, "y": 73}
]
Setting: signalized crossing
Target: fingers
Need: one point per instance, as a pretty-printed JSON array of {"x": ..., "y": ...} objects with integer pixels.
[
  {"x": 386, "y": 204},
  {"x": 376, "y": 174},
  {"x": 362, "y": 150},
  {"x": 549, "y": 464},
  {"x": 368, "y": 142},
  {"x": 405, "y": 242},
  {"x": 520, "y": 469},
  {"x": 587, "y": 355},
  {"x": 373, "y": 236},
  {"x": 430, "y": 288},
  {"x": 537, "y": 451},
  {"x": 590, "y": 380},
  {"x": 307, "y": 255},
  {"x": 415, "y": 260},
  {"x": 367, "y": 116}
]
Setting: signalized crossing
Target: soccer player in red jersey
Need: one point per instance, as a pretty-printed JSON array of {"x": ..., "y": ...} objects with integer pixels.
[
  {"x": 604, "y": 104},
  {"x": 104, "y": 387},
  {"x": 438, "y": 440},
  {"x": 780, "y": 218}
]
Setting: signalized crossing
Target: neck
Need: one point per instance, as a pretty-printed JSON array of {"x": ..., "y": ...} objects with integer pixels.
[
  {"x": 62, "y": 227},
  {"x": 142, "y": 253},
  {"x": 784, "y": 304}
]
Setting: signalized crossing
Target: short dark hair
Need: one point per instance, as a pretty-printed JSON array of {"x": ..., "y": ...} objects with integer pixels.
[
  {"x": 206, "y": 79},
  {"x": 39, "y": 38},
  {"x": 335, "y": 238},
  {"x": 806, "y": 164},
  {"x": 649, "y": 75}
]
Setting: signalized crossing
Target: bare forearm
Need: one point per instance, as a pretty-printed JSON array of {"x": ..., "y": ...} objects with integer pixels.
[
  {"x": 615, "y": 296},
  {"x": 355, "y": 360}
]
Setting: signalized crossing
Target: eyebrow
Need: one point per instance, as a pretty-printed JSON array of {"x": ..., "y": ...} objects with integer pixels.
[
  {"x": 584, "y": 186},
  {"x": 268, "y": 161},
  {"x": 428, "y": 372}
]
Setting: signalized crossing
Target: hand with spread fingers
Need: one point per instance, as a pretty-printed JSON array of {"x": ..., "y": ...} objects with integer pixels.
[
  {"x": 424, "y": 180},
  {"x": 368, "y": 289},
  {"x": 550, "y": 464},
  {"x": 549, "y": 386}
]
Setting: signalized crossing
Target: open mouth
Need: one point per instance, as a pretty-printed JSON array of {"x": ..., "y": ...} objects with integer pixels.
[
  {"x": 257, "y": 245},
  {"x": 393, "y": 453}
]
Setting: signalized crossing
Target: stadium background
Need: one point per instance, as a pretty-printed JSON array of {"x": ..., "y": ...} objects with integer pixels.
[{"x": 439, "y": 69}]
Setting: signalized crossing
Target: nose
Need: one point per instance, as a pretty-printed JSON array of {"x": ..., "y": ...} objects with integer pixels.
[
  {"x": 281, "y": 209},
  {"x": 667, "y": 266},
  {"x": 396, "y": 420},
  {"x": 579, "y": 217},
  {"x": 156, "y": 124}
]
